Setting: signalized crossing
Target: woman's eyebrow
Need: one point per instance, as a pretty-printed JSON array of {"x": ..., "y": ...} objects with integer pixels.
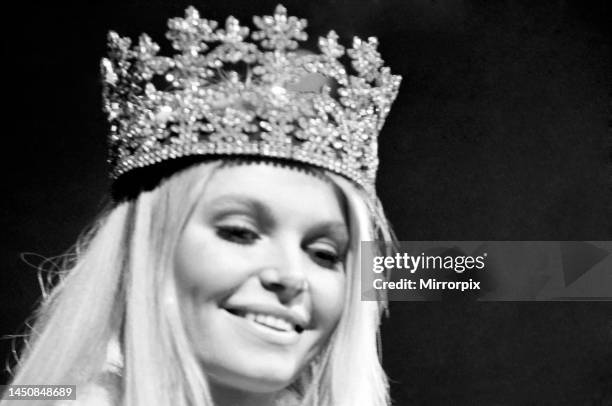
[
  {"x": 337, "y": 228},
  {"x": 227, "y": 203}
]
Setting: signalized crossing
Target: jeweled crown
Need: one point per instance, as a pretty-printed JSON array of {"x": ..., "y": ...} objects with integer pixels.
[{"x": 222, "y": 95}]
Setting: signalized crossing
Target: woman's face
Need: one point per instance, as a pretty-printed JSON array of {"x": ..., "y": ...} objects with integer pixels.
[{"x": 260, "y": 270}]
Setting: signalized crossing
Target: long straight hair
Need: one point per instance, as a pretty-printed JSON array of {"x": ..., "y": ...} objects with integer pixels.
[{"x": 121, "y": 290}]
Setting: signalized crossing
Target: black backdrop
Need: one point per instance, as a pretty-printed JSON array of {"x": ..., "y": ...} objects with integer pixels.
[{"x": 499, "y": 133}]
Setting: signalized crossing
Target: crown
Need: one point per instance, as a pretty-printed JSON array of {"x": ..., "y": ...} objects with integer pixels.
[{"x": 221, "y": 95}]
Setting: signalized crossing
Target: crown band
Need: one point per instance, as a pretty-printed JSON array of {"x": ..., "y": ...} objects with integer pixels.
[{"x": 223, "y": 95}]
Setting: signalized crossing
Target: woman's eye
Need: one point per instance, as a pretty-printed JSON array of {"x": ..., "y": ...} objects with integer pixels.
[
  {"x": 326, "y": 258},
  {"x": 238, "y": 234}
]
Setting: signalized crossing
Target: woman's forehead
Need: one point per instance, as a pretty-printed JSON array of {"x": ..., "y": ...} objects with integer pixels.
[{"x": 282, "y": 188}]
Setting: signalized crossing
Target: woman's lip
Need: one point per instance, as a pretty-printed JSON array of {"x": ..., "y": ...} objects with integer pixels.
[
  {"x": 299, "y": 321},
  {"x": 266, "y": 333}
]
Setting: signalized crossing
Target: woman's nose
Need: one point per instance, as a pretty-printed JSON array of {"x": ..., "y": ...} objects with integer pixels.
[{"x": 287, "y": 284}]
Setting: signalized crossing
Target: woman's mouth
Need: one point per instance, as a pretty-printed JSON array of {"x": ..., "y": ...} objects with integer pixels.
[{"x": 274, "y": 322}]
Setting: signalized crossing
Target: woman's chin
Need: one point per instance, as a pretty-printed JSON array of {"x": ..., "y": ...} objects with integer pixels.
[{"x": 265, "y": 380}]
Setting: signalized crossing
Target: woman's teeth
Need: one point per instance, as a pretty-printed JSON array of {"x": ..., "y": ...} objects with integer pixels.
[{"x": 270, "y": 321}]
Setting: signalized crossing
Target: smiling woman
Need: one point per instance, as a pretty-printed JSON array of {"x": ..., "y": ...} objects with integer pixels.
[
  {"x": 227, "y": 271},
  {"x": 260, "y": 266}
]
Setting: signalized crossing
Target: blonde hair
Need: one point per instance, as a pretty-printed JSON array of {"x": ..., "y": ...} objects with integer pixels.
[{"x": 121, "y": 289}]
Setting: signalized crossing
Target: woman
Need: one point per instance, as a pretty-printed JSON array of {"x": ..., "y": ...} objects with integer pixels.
[{"x": 227, "y": 271}]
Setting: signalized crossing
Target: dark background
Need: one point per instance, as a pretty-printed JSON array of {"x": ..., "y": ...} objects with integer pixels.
[{"x": 500, "y": 132}]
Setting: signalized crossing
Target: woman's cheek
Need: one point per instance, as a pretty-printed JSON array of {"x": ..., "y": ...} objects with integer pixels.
[
  {"x": 327, "y": 292},
  {"x": 195, "y": 263}
]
